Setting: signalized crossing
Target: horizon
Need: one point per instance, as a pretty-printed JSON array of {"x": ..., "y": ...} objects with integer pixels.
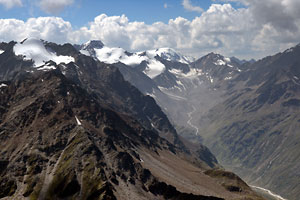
[{"x": 241, "y": 28}]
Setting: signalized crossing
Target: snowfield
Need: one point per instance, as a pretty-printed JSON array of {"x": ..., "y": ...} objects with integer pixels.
[
  {"x": 34, "y": 49},
  {"x": 114, "y": 55},
  {"x": 220, "y": 62},
  {"x": 154, "y": 68}
]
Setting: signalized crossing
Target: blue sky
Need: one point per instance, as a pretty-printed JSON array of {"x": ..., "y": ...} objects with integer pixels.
[
  {"x": 83, "y": 11},
  {"x": 243, "y": 28}
]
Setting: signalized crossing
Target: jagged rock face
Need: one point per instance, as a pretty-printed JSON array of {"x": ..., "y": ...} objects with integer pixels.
[
  {"x": 51, "y": 154},
  {"x": 93, "y": 44},
  {"x": 218, "y": 68},
  {"x": 108, "y": 83},
  {"x": 137, "y": 78},
  {"x": 47, "y": 150},
  {"x": 10, "y": 66},
  {"x": 257, "y": 123},
  {"x": 89, "y": 47}
]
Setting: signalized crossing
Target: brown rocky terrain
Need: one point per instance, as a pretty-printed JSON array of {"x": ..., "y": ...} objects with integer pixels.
[{"x": 81, "y": 132}]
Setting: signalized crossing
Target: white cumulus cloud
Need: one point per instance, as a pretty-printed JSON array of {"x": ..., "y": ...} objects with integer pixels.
[
  {"x": 48, "y": 28},
  {"x": 54, "y": 6},
  {"x": 281, "y": 14},
  {"x": 188, "y": 6},
  {"x": 221, "y": 28},
  {"x": 11, "y": 3}
]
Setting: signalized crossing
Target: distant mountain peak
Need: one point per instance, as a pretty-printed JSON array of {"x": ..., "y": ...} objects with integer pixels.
[
  {"x": 92, "y": 44},
  {"x": 89, "y": 47},
  {"x": 171, "y": 55},
  {"x": 213, "y": 54},
  {"x": 239, "y": 61},
  {"x": 217, "y": 59}
]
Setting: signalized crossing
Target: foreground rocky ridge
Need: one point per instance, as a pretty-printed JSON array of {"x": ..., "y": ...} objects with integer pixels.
[
  {"x": 79, "y": 131},
  {"x": 60, "y": 142}
]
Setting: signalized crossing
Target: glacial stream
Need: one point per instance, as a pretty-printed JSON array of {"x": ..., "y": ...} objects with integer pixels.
[
  {"x": 267, "y": 193},
  {"x": 191, "y": 118}
]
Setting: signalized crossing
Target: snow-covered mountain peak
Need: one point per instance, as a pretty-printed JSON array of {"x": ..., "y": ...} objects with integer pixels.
[
  {"x": 92, "y": 44},
  {"x": 218, "y": 60},
  {"x": 35, "y": 50},
  {"x": 213, "y": 55},
  {"x": 115, "y": 55},
  {"x": 216, "y": 56},
  {"x": 170, "y": 55},
  {"x": 89, "y": 47}
]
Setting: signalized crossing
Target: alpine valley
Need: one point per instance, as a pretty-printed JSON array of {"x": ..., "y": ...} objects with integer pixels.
[
  {"x": 94, "y": 122},
  {"x": 246, "y": 112}
]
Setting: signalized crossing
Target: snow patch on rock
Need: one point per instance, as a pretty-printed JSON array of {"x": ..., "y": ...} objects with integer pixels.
[
  {"x": 85, "y": 52},
  {"x": 78, "y": 121},
  {"x": 220, "y": 62},
  {"x": 46, "y": 67},
  {"x": 193, "y": 73},
  {"x": 3, "y": 85},
  {"x": 154, "y": 68},
  {"x": 227, "y": 59}
]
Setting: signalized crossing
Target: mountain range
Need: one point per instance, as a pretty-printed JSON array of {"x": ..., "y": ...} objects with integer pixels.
[
  {"x": 246, "y": 112},
  {"x": 74, "y": 126}
]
